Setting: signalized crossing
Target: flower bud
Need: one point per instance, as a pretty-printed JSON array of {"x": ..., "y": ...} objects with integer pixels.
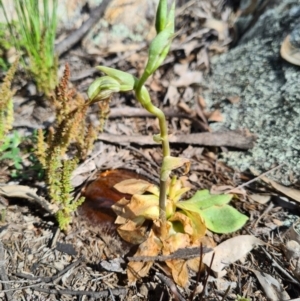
[
  {"x": 125, "y": 80},
  {"x": 102, "y": 88}
]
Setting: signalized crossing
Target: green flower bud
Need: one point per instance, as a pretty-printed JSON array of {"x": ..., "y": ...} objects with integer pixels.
[
  {"x": 161, "y": 44},
  {"x": 161, "y": 16},
  {"x": 102, "y": 88},
  {"x": 126, "y": 80}
]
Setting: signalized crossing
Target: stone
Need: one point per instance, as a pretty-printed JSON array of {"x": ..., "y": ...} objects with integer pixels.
[{"x": 269, "y": 92}]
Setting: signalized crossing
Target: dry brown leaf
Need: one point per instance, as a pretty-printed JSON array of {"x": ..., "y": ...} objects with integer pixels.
[
  {"x": 234, "y": 99},
  {"x": 216, "y": 116},
  {"x": 188, "y": 78},
  {"x": 133, "y": 186},
  {"x": 230, "y": 251},
  {"x": 189, "y": 47},
  {"x": 133, "y": 232},
  {"x": 260, "y": 198},
  {"x": 172, "y": 95},
  {"x": 184, "y": 220},
  {"x": 179, "y": 271},
  {"x": 175, "y": 242},
  {"x": 155, "y": 85},
  {"x": 185, "y": 107},
  {"x": 145, "y": 205},
  {"x": 150, "y": 247},
  {"x": 289, "y": 52},
  {"x": 201, "y": 102},
  {"x": 220, "y": 26},
  {"x": 203, "y": 58}
]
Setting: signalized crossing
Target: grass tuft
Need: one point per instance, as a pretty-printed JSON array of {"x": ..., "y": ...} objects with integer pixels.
[{"x": 34, "y": 36}]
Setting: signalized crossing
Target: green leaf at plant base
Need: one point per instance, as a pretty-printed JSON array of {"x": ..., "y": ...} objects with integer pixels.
[
  {"x": 223, "y": 219},
  {"x": 202, "y": 199}
]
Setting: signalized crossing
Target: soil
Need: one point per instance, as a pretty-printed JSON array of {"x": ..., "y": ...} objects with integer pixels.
[{"x": 89, "y": 260}]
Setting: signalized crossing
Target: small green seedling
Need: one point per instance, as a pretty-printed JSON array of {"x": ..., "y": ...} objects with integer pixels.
[{"x": 9, "y": 149}]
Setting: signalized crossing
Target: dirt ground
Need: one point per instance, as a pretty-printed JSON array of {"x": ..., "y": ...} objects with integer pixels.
[{"x": 88, "y": 262}]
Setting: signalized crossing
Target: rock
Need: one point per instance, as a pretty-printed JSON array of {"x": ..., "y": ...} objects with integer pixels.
[{"x": 269, "y": 92}]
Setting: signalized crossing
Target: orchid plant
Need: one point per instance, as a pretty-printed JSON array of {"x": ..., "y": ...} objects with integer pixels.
[{"x": 177, "y": 223}]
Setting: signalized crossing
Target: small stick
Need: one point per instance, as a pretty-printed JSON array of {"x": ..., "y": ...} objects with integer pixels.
[
  {"x": 55, "y": 237},
  {"x": 198, "y": 274},
  {"x": 171, "y": 285},
  {"x": 228, "y": 138},
  {"x": 101, "y": 294},
  {"x": 3, "y": 275},
  {"x": 52, "y": 278},
  {"x": 185, "y": 253},
  {"x": 256, "y": 178},
  {"x": 274, "y": 262},
  {"x": 271, "y": 205}
]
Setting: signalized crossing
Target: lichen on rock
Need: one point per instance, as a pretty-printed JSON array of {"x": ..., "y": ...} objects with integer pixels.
[{"x": 269, "y": 93}]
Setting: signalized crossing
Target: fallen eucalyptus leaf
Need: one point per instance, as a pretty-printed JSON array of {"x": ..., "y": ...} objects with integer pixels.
[
  {"x": 230, "y": 251},
  {"x": 290, "y": 192},
  {"x": 272, "y": 288},
  {"x": 28, "y": 193}
]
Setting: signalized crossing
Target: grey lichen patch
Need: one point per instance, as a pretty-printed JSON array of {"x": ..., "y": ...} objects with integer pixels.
[{"x": 269, "y": 93}]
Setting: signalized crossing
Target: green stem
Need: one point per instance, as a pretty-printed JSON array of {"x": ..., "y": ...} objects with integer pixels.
[{"x": 143, "y": 97}]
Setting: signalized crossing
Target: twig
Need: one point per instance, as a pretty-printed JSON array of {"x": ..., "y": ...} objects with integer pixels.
[
  {"x": 111, "y": 295},
  {"x": 171, "y": 285},
  {"x": 228, "y": 138},
  {"x": 201, "y": 295},
  {"x": 191, "y": 297},
  {"x": 54, "y": 238},
  {"x": 181, "y": 9},
  {"x": 179, "y": 254},
  {"x": 139, "y": 112},
  {"x": 256, "y": 178},
  {"x": 143, "y": 155},
  {"x": 274, "y": 263},
  {"x": 52, "y": 278},
  {"x": 3, "y": 275},
  {"x": 271, "y": 205},
  {"x": 104, "y": 293},
  {"x": 78, "y": 34}
]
